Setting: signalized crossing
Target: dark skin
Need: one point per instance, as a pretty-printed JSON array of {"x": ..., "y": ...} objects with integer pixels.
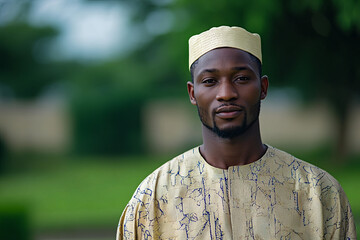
[{"x": 227, "y": 89}]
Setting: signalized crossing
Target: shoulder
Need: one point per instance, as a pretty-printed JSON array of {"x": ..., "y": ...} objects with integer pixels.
[
  {"x": 150, "y": 200},
  {"x": 181, "y": 163},
  {"x": 300, "y": 170},
  {"x": 292, "y": 163},
  {"x": 173, "y": 172},
  {"x": 319, "y": 192}
]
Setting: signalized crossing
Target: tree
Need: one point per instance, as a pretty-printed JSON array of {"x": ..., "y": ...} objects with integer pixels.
[
  {"x": 316, "y": 50},
  {"x": 21, "y": 68},
  {"x": 106, "y": 102}
]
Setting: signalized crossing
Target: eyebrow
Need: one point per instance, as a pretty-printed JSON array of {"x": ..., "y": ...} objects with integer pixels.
[
  {"x": 211, "y": 70},
  {"x": 214, "y": 70},
  {"x": 240, "y": 68}
]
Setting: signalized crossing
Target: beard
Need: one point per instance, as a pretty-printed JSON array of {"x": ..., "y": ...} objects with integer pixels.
[{"x": 234, "y": 131}]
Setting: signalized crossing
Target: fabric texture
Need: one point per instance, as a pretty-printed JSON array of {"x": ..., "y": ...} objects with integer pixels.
[
  {"x": 224, "y": 36},
  {"x": 276, "y": 197}
]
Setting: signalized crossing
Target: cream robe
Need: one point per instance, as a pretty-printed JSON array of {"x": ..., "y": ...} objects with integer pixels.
[{"x": 276, "y": 197}]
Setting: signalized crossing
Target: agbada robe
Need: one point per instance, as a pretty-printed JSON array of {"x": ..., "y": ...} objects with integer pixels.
[{"x": 276, "y": 197}]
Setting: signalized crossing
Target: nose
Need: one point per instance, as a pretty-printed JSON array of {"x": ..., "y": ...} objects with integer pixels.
[{"x": 226, "y": 92}]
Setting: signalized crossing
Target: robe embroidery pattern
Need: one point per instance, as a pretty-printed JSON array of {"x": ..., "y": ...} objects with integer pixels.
[{"x": 276, "y": 197}]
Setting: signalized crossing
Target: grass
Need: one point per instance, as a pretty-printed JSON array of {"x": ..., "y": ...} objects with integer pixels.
[
  {"x": 76, "y": 193},
  {"x": 92, "y": 192}
]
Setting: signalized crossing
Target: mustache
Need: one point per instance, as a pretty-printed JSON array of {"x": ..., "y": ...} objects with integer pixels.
[{"x": 228, "y": 105}]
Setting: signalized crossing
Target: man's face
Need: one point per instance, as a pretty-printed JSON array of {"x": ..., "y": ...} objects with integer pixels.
[{"x": 227, "y": 91}]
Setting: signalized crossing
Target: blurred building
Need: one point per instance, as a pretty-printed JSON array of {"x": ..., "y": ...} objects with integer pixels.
[{"x": 37, "y": 126}]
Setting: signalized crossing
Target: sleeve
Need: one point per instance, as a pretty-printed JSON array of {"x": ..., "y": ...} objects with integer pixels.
[
  {"x": 135, "y": 221},
  {"x": 349, "y": 230},
  {"x": 339, "y": 218},
  {"x": 127, "y": 227}
]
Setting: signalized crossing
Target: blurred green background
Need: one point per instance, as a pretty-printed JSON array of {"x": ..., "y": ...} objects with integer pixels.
[{"x": 93, "y": 98}]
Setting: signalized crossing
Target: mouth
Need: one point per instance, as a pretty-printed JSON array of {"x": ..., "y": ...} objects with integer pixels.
[{"x": 228, "y": 112}]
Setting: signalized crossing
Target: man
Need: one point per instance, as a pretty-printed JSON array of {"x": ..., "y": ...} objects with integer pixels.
[{"x": 233, "y": 186}]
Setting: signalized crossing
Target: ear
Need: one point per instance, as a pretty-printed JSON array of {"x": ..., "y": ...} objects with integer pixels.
[
  {"x": 264, "y": 86},
  {"x": 190, "y": 88}
]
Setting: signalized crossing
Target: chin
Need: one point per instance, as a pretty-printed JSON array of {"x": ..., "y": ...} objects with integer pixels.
[{"x": 230, "y": 132}]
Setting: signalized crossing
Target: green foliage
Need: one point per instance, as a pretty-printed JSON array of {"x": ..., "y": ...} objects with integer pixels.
[
  {"x": 106, "y": 103},
  {"x": 316, "y": 53},
  {"x": 22, "y": 48},
  {"x": 14, "y": 222},
  {"x": 313, "y": 52},
  {"x": 3, "y": 155},
  {"x": 347, "y": 14}
]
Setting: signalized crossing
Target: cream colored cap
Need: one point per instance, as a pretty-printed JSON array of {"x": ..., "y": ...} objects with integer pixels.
[{"x": 224, "y": 36}]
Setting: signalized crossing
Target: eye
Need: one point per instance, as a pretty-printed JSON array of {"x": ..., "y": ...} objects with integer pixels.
[
  {"x": 242, "y": 79},
  {"x": 208, "y": 81}
]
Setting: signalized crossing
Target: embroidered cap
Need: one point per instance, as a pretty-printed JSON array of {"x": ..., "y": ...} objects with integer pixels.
[{"x": 224, "y": 36}]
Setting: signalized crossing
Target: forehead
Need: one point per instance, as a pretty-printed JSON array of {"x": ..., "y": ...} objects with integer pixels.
[{"x": 225, "y": 58}]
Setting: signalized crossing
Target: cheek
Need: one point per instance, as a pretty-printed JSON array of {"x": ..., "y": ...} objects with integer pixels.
[
  {"x": 202, "y": 98},
  {"x": 252, "y": 93}
]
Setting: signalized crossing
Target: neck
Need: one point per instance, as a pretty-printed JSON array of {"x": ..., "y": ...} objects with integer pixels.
[{"x": 223, "y": 153}]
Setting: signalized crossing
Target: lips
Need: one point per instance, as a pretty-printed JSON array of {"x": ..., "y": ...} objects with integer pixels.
[{"x": 228, "y": 111}]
